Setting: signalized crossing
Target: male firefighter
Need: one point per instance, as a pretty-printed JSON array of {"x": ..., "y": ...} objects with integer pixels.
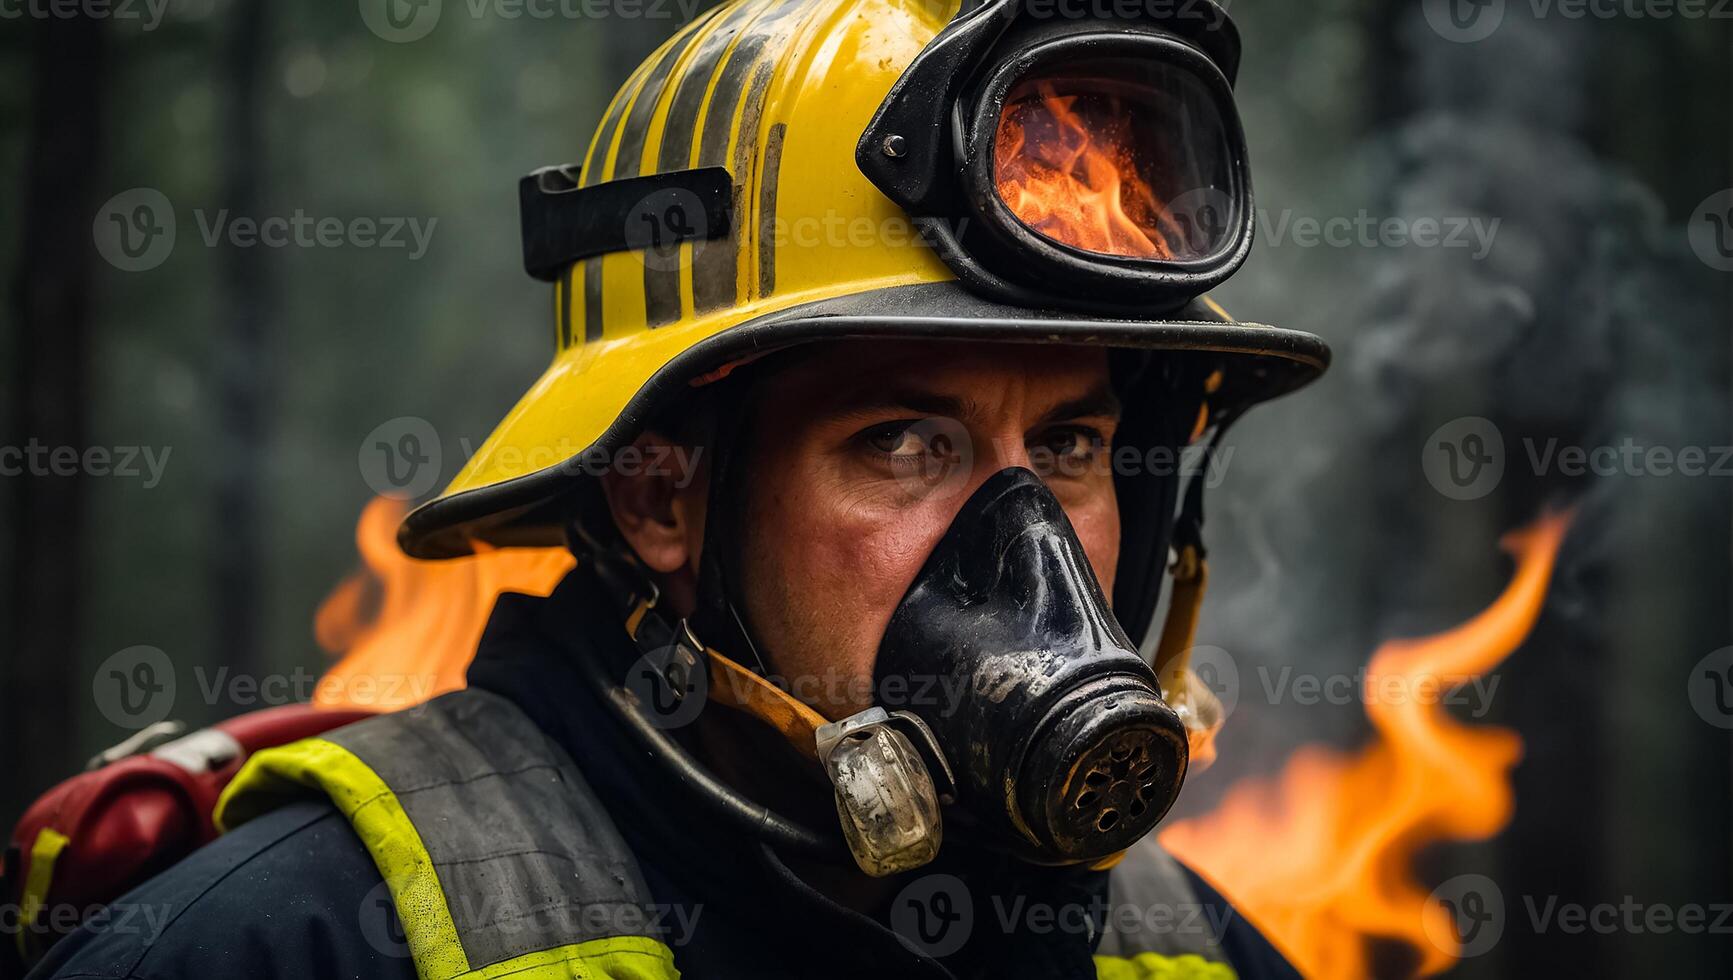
[{"x": 880, "y": 339}]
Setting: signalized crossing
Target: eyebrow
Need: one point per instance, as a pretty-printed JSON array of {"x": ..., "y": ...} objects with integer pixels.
[{"x": 1098, "y": 402}]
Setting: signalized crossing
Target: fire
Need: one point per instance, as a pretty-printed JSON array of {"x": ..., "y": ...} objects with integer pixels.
[
  {"x": 406, "y": 630},
  {"x": 1321, "y": 856},
  {"x": 1075, "y": 179}
]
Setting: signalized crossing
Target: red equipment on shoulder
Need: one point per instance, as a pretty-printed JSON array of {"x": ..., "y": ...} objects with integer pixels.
[{"x": 137, "y": 809}]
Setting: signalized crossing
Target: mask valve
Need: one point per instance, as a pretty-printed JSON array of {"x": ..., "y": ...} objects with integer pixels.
[{"x": 882, "y": 766}]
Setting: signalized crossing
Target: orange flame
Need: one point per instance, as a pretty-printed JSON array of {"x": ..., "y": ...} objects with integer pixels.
[
  {"x": 1074, "y": 182},
  {"x": 1321, "y": 856},
  {"x": 408, "y": 629}
]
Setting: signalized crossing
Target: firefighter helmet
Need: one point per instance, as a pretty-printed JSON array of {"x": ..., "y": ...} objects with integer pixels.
[{"x": 784, "y": 171}]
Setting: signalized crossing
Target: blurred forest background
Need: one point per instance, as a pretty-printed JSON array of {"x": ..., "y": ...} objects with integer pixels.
[{"x": 260, "y": 371}]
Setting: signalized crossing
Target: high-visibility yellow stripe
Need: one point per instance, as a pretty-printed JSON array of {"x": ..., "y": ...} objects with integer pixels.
[
  {"x": 43, "y": 853},
  {"x": 614, "y": 958},
  {"x": 374, "y": 811},
  {"x": 1154, "y": 966}
]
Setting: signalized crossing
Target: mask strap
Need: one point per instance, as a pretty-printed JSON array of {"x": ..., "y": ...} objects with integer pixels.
[
  {"x": 1190, "y": 582},
  {"x": 887, "y": 800},
  {"x": 676, "y": 650},
  {"x": 1196, "y": 704}
]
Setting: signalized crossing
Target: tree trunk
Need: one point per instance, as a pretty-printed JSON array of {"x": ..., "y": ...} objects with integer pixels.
[
  {"x": 243, "y": 374},
  {"x": 41, "y": 683}
]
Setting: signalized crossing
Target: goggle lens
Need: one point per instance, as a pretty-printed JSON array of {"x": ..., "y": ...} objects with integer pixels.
[{"x": 1118, "y": 158}]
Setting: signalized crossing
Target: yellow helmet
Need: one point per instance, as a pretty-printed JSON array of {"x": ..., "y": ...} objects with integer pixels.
[{"x": 783, "y": 171}]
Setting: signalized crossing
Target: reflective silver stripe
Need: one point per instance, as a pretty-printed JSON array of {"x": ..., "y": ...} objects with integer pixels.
[
  {"x": 526, "y": 856},
  {"x": 203, "y": 751},
  {"x": 1152, "y": 908}
]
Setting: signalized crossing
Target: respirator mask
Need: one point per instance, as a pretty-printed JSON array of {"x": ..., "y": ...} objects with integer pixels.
[{"x": 1045, "y": 732}]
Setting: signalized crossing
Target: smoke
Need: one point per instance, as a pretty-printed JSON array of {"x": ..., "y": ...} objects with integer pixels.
[{"x": 1577, "y": 328}]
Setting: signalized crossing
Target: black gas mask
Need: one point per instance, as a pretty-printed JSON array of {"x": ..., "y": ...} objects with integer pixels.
[{"x": 1008, "y": 689}]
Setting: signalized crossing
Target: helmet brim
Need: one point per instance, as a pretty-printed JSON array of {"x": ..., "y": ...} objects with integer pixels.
[{"x": 1264, "y": 362}]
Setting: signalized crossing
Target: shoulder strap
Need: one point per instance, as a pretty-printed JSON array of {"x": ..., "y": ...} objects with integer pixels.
[{"x": 498, "y": 856}]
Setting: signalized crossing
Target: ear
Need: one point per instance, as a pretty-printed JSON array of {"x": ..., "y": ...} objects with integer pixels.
[{"x": 654, "y": 503}]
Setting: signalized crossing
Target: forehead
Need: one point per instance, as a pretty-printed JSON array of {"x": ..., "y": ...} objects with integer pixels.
[{"x": 841, "y": 375}]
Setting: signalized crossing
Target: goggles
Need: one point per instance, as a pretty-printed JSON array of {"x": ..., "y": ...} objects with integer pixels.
[{"x": 1067, "y": 163}]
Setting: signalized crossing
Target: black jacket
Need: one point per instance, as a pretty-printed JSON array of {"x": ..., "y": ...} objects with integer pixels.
[{"x": 294, "y": 894}]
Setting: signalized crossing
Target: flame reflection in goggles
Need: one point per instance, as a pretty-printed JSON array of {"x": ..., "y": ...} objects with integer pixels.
[{"x": 1118, "y": 160}]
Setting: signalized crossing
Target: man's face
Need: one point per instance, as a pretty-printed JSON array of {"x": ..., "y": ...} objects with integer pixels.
[{"x": 861, "y": 456}]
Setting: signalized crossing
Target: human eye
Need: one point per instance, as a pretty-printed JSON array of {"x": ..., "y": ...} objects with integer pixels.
[
  {"x": 899, "y": 441},
  {"x": 1066, "y": 450}
]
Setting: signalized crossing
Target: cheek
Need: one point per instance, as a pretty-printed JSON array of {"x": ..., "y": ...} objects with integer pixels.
[
  {"x": 1096, "y": 521},
  {"x": 858, "y": 563},
  {"x": 828, "y": 568}
]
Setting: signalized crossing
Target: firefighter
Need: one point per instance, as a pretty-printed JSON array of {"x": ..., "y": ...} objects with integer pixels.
[{"x": 881, "y": 339}]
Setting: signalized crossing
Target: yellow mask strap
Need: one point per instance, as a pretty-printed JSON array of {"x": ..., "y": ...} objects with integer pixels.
[
  {"x": 739, "y": 688},
  {"x": 1173, "y": 653},
  {"x": 733, "y": 685}
]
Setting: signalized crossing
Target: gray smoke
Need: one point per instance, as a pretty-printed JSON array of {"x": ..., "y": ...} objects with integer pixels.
[{"x": 1578, "y": 325}]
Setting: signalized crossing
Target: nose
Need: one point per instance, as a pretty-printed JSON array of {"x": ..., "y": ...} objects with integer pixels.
[{"x": 986, "y": 454}]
